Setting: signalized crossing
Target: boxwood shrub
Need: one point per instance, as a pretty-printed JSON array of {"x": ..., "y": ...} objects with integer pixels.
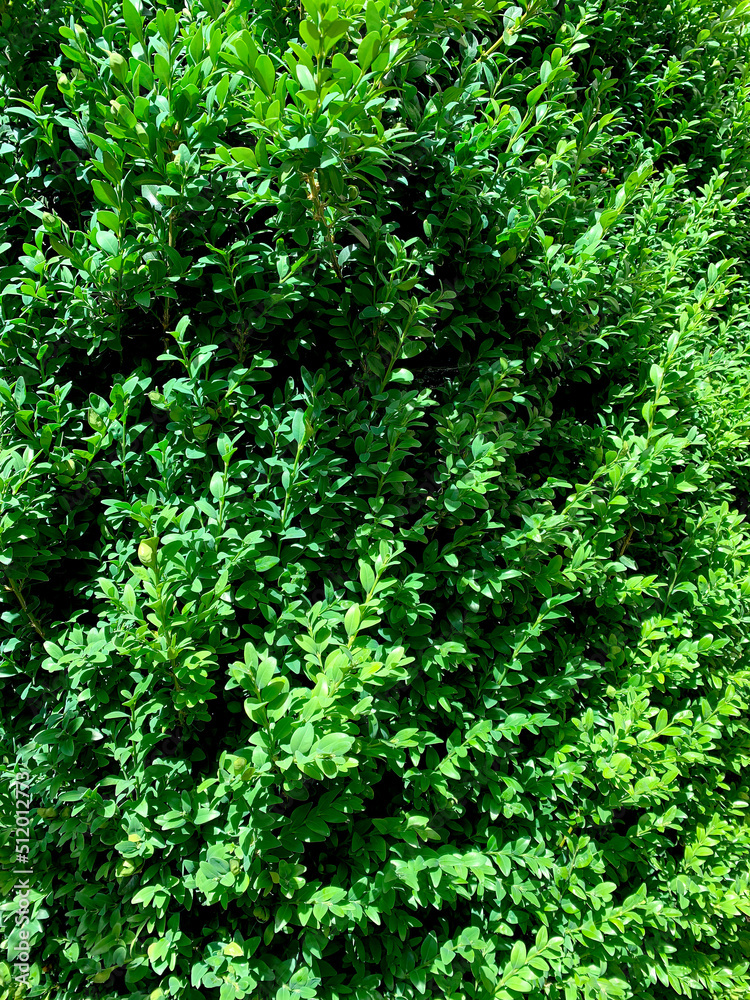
[{"x": 374, "y": 432}]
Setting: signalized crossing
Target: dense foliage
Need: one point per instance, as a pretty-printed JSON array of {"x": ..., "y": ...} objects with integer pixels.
[{"x": 373, "y": 467}]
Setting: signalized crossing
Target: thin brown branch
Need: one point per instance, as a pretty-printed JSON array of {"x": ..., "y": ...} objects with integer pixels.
[
  {"x": 16, "y": 589},
  {"x": 626, "y": 541}
]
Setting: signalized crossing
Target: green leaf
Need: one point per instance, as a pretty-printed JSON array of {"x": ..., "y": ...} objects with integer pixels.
[
  {"x": 265, "y": 74},
  {"x": 245, "y": 156},
  {"x": 105, "y": 192},
  {"x": 298, "y": 426},
  {"x": 621, "y": 763},
  {"x": 534, "y": 95},
  {"x": 161, "y": 69},
  {"x": 109, "y": 219},
  {"x": 133, "y": 19},
  {"x": 305, "y": 77},
  {"x": 518, "y": 955},
  {"x": 158, "y": 950},
  {"x": 263, "y": 563},
  {"x": 205, "y": 815},
  {"x": 366, "y": 576},
  {"x": 216, "y": 485},
  {"x": 333, "y": 745},
  {"x": 311, "y": 36},
  {"x": 129, "y": 598},
  {"x": 302, "y": 738},
  {"x": 266, "y": 670},
  {"x": 352, "y": 618},
  {"x": 367, "y": 49},
  {"x": 119, "y": 66},
  {"x": 519, "y": 984}
]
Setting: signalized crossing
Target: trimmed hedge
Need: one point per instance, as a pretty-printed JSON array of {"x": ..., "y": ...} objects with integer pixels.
[{"x": 373, "y": 478}]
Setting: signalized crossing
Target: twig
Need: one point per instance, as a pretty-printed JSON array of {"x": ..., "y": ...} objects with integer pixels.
[
  {"x": 625, "y": 542},
  {"x": 14, "y": 587}
]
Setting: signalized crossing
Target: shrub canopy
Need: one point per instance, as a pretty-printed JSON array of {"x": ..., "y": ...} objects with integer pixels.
[{"x": 373, "y": 468}]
